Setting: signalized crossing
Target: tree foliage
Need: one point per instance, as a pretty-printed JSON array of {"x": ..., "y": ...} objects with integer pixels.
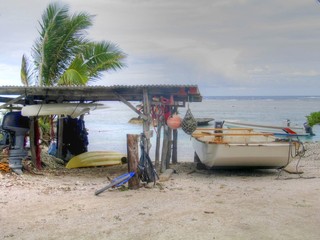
[
  {"x": 63, "y": 55},
  {"x": 313, "y": 118},
  {"x": 25, "y": 73}
]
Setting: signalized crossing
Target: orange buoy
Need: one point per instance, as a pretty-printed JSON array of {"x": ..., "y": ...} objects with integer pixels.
[{"x": 174, "y": 121}]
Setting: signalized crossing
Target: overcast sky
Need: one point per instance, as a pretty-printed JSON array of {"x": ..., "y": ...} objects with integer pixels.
[{"x": 238, "y": 47}]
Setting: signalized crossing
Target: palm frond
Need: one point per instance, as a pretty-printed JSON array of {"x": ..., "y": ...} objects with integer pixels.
[
  {"x": 57, "y": 46},
  {"x": 76, "y": 74},
  {"x": 25, "y": 72},
  {"x": 62, "y": 40},
  {"x": 44, "y": 49},
  {"x": 102, "y": 56}
]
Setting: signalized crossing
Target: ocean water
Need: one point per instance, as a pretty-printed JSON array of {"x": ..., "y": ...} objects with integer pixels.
[{"x": 108, "y": 128}]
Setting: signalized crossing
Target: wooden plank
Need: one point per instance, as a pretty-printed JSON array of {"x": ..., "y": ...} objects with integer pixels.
[
  {"x": 169, "y": 151},
  {"x": 32, "y": 141},
  {"x": 146, "y": 121},
  {"x": 175, "y": 141},
  {"x": 157, "y": 153},
  {"x": 60, "y": 138},
  {"x": 175, "y": 147},
  {"x": 122, "y": 99},
  {"x": 164, "y": 151}
]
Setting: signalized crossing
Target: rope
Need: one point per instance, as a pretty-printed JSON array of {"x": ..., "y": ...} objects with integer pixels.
[
  {"x": 39, "y": 110},
  {"x": 294, "y": 152},
  {"x": 75, "y": 109}
]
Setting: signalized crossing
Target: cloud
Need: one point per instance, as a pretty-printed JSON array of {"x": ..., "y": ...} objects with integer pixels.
[{"x": 248, "y": 45}]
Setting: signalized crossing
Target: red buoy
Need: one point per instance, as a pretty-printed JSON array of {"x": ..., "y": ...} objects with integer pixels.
[{"x": 174, "y": 121}]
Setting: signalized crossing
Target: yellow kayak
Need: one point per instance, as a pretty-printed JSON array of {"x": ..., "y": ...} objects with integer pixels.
[{"x": 96, "y": 158}]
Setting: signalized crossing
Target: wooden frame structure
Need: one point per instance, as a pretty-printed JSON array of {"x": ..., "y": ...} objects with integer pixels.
[{"x": 178, "y": 95}]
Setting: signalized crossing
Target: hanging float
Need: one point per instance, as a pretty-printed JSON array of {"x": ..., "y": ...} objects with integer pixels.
[{"x": 174, "y": 121}]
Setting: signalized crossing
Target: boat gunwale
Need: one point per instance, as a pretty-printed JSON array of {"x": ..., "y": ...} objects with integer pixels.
[{"x": 262, "y": 126}]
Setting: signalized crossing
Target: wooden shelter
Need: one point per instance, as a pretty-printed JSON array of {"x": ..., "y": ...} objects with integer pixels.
[{"x": 172, "y": 96}]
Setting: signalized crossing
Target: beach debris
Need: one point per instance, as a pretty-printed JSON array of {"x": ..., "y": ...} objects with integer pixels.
[{"x": 117, "y": 182}]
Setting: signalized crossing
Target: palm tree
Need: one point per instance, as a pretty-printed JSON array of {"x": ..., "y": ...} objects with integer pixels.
[{"x": 62, "y": 55}]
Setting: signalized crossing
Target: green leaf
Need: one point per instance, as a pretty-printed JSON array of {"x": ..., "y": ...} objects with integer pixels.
[
  {"x": 25, "y": 72},
  {"x": 76, "y": 74},
  {"x": 313, "y": 118}
]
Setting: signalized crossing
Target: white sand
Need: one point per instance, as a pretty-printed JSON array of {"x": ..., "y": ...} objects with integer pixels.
[{"x": 193, "y": 204}]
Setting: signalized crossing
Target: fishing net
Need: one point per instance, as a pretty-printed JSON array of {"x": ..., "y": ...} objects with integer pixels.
[{"x": 189, "y": 123}]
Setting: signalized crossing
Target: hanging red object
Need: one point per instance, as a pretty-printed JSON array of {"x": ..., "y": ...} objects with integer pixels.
[{"x": 174, "y": 121}]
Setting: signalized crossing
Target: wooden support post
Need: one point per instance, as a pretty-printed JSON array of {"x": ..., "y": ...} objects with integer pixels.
[
  {"x": 122, "y": 99},
  {"x": 133, "y": 159},
  {"x": 169, "y": 143},
  {"x": 175, "y": 142},
  {"x": 60, "y": 138},
  {"x": 175, "y": 147},
  {"x": 164, "y": 149},
  {"x": 37, "y": 143},
  {"x": 157, "y": 153},
  {"x": 11, "y": 102},
  {"x": 146, "y": 122},
  {"x": 32, "y": 141}
]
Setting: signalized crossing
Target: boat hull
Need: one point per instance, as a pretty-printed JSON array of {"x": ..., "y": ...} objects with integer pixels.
[
  {"x": 264, "y": 155},
  {"x": 96, "y": 158},
  {"x": 241, "y": 148}
]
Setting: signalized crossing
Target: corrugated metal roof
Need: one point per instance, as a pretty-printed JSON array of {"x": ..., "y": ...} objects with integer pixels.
[
  {"x": 102, "y": 93},
  {"x": 101, "y": 86}
]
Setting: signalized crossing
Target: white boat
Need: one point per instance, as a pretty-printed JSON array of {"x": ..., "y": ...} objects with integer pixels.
[
  {"x": 218, "y": 148},
  {"x": 284, "y": 130},
  {"x": 67, "y": 109}
]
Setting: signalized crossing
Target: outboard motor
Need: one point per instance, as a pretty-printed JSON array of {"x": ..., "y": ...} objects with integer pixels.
[
  {"x": 218, "y": 124},
  {"x": 308, "y": 129},
  {"x": 18, "y": 125}
]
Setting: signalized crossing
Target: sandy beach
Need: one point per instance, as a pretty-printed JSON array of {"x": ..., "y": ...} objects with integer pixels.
[{"x": 59, "y": 203}]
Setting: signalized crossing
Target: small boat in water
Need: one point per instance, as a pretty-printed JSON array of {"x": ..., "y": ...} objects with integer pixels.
[
  {"x": 203, "y": 121},
  {"x": 222, "y": 147},
  {"x": 285, "y": 130}
]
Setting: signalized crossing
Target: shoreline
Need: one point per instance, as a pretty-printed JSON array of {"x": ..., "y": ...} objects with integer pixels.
[{"x": 59, "y": 203}]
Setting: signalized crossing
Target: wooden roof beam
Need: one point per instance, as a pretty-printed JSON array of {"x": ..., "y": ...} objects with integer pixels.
[
  {"x": 12, "y": 101},
  {"x": 130, "y": 106}
]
